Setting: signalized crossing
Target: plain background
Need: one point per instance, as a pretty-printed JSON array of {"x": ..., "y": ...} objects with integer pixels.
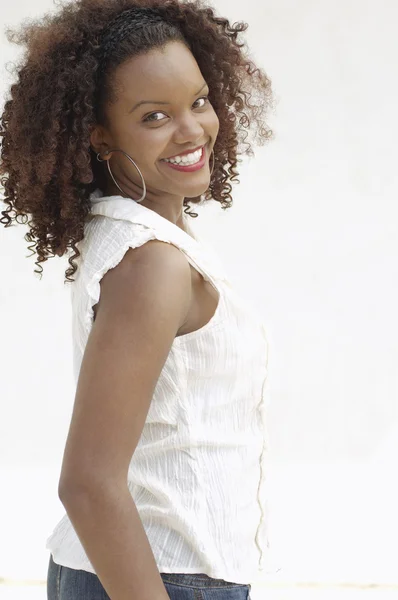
[{"x": 311, "y": 241}]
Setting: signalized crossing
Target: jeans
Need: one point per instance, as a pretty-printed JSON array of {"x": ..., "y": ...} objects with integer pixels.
[{"x": 64, "y": 583}]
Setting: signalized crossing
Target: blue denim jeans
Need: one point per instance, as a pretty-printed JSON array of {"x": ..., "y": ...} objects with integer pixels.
[{"x": 64, "y": 583}]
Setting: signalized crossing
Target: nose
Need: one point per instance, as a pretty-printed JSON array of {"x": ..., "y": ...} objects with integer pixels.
[{"x": 188, "y": 130}]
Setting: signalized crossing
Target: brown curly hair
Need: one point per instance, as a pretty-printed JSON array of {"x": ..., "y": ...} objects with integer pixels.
[{"x": 48, "y": 169}]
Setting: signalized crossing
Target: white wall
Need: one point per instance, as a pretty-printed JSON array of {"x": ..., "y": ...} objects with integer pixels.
[{"x": 312, "y": 241}]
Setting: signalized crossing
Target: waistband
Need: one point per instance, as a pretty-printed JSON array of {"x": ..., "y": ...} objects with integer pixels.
[{"x": 198, "y": 580}]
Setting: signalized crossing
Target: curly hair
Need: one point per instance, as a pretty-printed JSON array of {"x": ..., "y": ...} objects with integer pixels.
[{"x": 48, "y": 169}]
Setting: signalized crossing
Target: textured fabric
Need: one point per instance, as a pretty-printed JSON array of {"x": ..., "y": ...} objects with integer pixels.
[{"x": 197, "y": 475}]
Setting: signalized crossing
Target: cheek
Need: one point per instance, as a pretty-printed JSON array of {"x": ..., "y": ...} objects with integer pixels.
[
  {"x": 214, "y": 123},
  {"x": 147, "y": 145}
]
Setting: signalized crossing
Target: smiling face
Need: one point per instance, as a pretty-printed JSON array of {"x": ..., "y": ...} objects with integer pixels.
[{"x": 161, "y": 110}]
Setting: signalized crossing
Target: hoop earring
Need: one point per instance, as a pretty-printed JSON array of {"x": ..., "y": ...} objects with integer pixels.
[
  {"x": 212, "y": 153},
  {"x": 111, "y": 174}
]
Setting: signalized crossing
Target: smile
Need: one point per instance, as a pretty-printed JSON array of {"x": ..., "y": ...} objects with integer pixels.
[{"x": 187, "y": 162}]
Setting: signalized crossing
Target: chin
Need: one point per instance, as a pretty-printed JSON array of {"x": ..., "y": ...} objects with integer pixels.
[{"x": 197, "y": 191}]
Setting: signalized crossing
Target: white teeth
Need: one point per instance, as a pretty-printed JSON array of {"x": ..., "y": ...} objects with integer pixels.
[{"x": 187, "y": 159}]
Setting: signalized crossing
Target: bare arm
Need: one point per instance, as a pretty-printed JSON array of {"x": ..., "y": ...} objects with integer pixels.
[{"x": 144, "y": 301}]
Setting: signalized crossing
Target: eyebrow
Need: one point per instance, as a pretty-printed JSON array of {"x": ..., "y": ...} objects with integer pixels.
[{"x": 159, "y": 102}]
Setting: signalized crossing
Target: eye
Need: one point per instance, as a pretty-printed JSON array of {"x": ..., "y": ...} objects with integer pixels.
[
  {"x": 205, "y": 98},
  {"x": 152, "y": 120},
  {"x": 149, "y": 120}
]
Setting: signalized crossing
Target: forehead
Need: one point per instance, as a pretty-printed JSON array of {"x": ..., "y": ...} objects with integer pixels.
[{"x": 171, "y": 70}]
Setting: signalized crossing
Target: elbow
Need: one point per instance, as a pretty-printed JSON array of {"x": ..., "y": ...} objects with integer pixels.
[
  {"x": 69, "y": 489},
  {"x": 72, "y": 489},
  {"x": 72, "y": 486}
]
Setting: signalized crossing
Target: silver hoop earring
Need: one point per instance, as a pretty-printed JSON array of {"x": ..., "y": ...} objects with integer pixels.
[
  {"x": 111, "y": 174},
  {"x": 212, "y": 152}
]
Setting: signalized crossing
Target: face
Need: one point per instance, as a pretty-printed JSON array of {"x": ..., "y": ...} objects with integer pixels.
[{"x": 161, "y": 110}]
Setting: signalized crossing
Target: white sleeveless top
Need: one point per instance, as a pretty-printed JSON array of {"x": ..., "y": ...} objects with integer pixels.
[{"x": 197, "y": 475}]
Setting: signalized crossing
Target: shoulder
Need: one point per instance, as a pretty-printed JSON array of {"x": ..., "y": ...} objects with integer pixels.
[{"x": 151, "y": 277}]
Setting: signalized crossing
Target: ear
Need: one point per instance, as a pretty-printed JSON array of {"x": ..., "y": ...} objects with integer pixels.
[{"x": 97, "y": 139}]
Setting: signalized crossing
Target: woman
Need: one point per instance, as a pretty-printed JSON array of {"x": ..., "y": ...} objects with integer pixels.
[{"x": 126, "y": 112}]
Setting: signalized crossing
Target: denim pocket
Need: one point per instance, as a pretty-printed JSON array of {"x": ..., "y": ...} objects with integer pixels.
[{"x": 181, "y": 586}]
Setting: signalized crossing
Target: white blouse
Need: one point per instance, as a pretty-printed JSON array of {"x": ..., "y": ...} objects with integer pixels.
[{"x": 197, "y": 475}]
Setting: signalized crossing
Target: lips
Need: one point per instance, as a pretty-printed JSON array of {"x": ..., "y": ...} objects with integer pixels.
[
  {"x": 186, "y": 152},
  {"x": 187, "y": 168}
]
